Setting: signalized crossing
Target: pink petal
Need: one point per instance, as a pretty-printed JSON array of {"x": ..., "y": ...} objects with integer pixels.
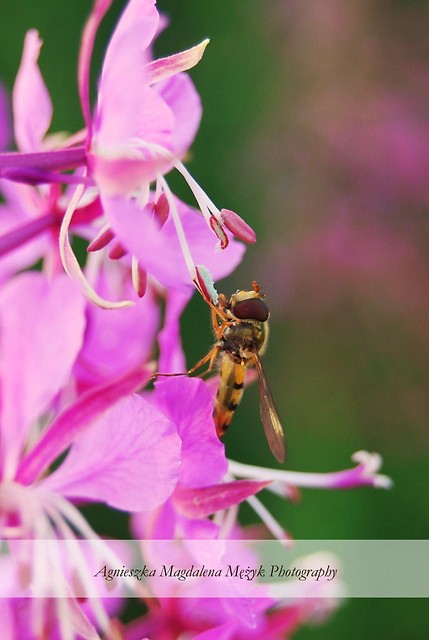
[
  {"x": 117, "y": 340},
  {"x": 185, "y": 103},
  {"x": 166, "y": 67},
  {"x": 134, "y": 32},
  {"x": 204, "y": 501},
  {"x": 42, "y": 324},
  {"x": 126, "y": 112},
  {"x": 128, "y": 458},
  {"x": 127, "y": 108},
  {"x": 188, "y": 403},
  {"x": 171, "y": 357},
  {"x": 32, "y": 107},
  {"x": 74, "y": 419}
]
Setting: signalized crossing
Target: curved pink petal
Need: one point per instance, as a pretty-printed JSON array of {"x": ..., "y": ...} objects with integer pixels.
[
  {"x": 184, "y": 101},
  {"x": 158, "y": 249},
  {"x": 42, "y": 324},
  {"x": 128, "y": 458},
  {"x": 32, "y": 107},
  {"x": 188, "y": 403}
]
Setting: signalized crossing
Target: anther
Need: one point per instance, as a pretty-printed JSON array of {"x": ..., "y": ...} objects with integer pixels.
[{"x": 237, "y": 226}]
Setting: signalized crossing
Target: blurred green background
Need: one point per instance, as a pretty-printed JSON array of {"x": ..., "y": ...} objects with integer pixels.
[{"x": 316, "y": 130}]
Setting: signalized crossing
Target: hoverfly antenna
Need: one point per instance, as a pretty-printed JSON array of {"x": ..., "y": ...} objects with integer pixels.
[{"x": 255, "y": 286}]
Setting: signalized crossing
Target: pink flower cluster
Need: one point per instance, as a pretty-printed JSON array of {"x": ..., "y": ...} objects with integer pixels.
[{"x": 76, "y": 422}]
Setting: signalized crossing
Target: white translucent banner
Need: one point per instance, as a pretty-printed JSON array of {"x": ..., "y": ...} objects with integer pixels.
[{"x": 215, "y": 568}]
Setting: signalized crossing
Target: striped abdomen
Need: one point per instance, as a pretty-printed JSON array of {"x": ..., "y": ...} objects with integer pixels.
[{"x": 229, "y": 394}]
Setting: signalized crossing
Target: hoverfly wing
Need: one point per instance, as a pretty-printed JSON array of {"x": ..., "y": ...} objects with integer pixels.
[{"x": 269, "y": 416}]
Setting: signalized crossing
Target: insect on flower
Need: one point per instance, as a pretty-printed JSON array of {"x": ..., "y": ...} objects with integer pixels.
[{"x": 240, "y": 325}]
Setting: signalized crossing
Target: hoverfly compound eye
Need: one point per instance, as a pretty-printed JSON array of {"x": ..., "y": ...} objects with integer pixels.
[{"x": 251, "y": 309}]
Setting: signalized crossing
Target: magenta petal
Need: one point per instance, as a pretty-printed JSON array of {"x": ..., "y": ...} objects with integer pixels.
[
  {"x": 74, "y": 419},
  {"x": 171, "y": 357},
  {"x": 203, "y": 501},
  {"x": 127, "y": 107},
  {"x": 135, "y": 31},
  {"x": 32, "y": 107},
  {"x": 128, "y": 458},
  {"x": 185, "y": 103},
  {"x": 42, "y": 324},
  {"x": 117, "y": 340},
  {"x": 189, "y": 404}
]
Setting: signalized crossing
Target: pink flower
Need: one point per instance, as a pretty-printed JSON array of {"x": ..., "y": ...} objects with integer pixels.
[{"x": 146, "y": 116}]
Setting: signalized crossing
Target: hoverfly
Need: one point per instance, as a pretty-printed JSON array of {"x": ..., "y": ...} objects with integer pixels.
[
  {"x": 240, "y": 325},
  {"x": 241, "y": 328}
]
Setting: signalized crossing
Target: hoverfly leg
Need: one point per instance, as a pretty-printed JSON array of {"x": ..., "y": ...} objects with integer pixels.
[{"x": 210, "y": 356}]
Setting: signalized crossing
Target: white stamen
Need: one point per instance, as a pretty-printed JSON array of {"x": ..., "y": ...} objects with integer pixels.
[
  {"x": 227, "y": 520},
  {"x": 266, "y": 517},
  {"x": 179, "y": 228},
  {"x": 206, "y": 205},
  {"x": 81, "y": 566},
  {"x": 316, "y": 480}
]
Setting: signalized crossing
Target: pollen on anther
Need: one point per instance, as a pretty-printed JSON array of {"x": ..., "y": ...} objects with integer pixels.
[{"x": 205, "y": 285}]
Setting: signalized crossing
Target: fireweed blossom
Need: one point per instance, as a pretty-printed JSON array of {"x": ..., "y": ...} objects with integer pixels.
[
  {"x": 120, "y": 450},
  {"x": 145, "y": 119}
]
